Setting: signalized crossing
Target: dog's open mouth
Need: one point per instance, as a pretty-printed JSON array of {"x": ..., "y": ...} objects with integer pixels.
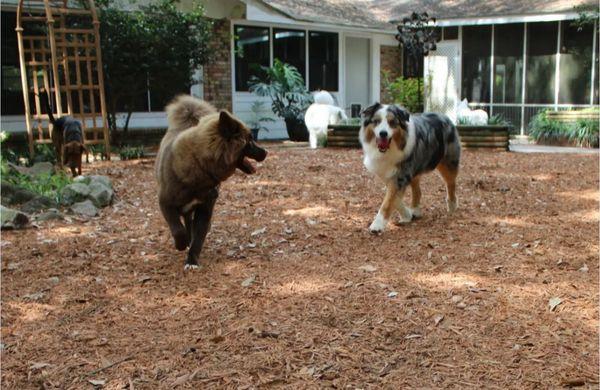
[
  {"x": 383, "y": 144},
  {"x": 246, "y": 166}
]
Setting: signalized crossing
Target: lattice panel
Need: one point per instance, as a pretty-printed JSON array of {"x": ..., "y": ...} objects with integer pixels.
[
  {"x": 441, "y": 79},
  {"x": 60, "y": 52}
]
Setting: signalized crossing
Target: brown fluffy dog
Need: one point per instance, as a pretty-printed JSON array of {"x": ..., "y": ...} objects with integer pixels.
[{"x": 201, "y": 149}]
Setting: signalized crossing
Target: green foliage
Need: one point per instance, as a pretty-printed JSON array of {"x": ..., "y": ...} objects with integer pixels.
[
  {"x": 588, "y": 14},
  {"x": 350, "y": 122},
  {"x": 45, "y": 184},
  {"x": 405, "y": 92},
  {"x": 131, "y": 152},
  {"x": 497, "y": 120},
  {"x": 157, "y": 46},
  {"x": 584, "y": 132},
  {"x": 257, "y": 118},
  {"x": 98, "y": 151},
  {"x": 43, "y": 152},
  {"x": 286, "y": 88}
]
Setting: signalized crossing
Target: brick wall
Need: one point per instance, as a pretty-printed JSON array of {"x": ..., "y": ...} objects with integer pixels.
[
  {"x": 391, "y": 62},
  {"x": 217, "y": 73}
]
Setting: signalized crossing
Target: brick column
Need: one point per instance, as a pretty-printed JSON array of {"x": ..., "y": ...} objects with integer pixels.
[
  {"x": 217, "y": 73},
  {"x": 391, "y": 62}
]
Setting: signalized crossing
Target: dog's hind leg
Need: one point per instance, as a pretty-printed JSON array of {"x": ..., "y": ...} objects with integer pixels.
[
  {"x": 449, "y": 174},
  {"x": 200, "y": 227},
  {"x": 415, "y": 205},
  {"x": 178, "y": 231}
]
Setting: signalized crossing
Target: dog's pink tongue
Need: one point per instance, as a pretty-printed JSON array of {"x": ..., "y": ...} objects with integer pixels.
[
  {"x": 249, "y": 165},
  {"x": 383, "y": 143}
]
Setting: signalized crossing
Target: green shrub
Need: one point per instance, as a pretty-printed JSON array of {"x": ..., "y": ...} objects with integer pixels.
[
  {"x": 498, "y": 120},
  {"x": 131, "y": 152},
  {"x": 97, "y": 151},
  {"x": 583, "y": 133},
  {"x": 404, "y": 92},
  {"x": 45, "y": 184}
]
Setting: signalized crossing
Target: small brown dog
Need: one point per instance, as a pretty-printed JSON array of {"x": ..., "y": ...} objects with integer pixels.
[
  {"x": 201, "y": 149},
  {"x": 67, "y": 137}
]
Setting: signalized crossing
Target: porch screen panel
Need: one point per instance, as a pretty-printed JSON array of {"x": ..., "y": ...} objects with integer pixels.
[
  {"x": 508, "y": 63},
  {"x": 289, "y": 46},
  {"x": 251, "y": 52},
  {"x": 323, "y": 61},
  {"x": 477, "y": 50},
  {"x": 575, "y": 64},
  {"x": 541, "y": 62}
]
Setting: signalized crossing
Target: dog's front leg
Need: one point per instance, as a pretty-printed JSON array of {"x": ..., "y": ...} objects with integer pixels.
[
  {"x": 386, "y": 209},
  {"x": 173, "y": 218},
  {"x": 200, "y": 226}
]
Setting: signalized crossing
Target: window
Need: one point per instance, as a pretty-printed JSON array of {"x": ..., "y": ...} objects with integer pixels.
[
  {"x": 450, "y": 33},
  {"x": 575, "y": 64},
  {"x": 508, "y": 63},
  {"x": 289, "y": 46},
  {"x": 541, "y": 62},
  {"x": 476, "y": 63},
  {"x": 251, "y": 52},
  {"x": 12, "y": 93},
  {"x": 323, "y": 61}
]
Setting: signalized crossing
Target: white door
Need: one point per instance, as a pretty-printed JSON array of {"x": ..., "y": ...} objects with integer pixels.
[
  {"x": 442, "y": 79},
  {"x": 358, "y": 71}
]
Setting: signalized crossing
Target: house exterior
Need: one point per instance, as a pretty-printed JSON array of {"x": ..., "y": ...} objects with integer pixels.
[{"x": 513, "y": 58}]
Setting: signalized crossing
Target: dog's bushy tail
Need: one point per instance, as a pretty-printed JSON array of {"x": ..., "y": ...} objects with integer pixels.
[{"x": 185, "y": 111}]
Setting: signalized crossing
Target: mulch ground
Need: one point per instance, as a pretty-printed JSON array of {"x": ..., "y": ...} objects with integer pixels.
[{"x": 295, "y": 293}]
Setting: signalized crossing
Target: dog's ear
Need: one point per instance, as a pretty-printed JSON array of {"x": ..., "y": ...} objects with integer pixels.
[
  {"x": 229, "y": 127},
  {"x": 368, "y": 112},
  {"x": 399, "y": 112}
]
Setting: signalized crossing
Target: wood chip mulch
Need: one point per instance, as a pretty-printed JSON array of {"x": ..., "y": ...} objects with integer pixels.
[{"x": 295, "y": 293}]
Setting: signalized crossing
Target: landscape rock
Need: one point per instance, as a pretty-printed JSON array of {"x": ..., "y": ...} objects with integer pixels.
[
  {"x": 85, "y": 208},
  {"x": 100, "y": 194},
  {"x": 38, "y": 204},
  {"x": 73, "y": 193},
  {"x": 49, "y": 215},
  {"x": 41, "y": 168},
  {"x": 82, "y": 179},
  {"x": 101, "y": 179},
  {"x": 12, "y": 194},
  {"x": 13, "y": 219}
]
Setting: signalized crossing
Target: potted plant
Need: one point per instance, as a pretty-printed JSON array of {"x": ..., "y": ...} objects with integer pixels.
[
  {"x": 284, "y": 85},
  {"x": 256, "y": 120}
]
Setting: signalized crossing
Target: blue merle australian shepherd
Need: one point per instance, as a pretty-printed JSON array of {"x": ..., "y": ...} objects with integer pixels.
[{"x": 399, "y": 148}]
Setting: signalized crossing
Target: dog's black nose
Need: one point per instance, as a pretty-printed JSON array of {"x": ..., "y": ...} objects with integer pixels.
[{"x": 383, "y": 134}]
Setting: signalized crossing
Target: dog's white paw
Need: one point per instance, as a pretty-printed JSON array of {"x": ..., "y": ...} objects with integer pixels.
[
  {"x": 406, "y": 215},
  {"x": 190, "y": 267},
  {"x": 452, "y": 206},
  {"x": 416, "y": 212},
  {"x": 378, "y": 225}
]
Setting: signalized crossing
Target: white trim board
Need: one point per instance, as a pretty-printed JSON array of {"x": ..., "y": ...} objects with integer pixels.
[{"x": 506, "y": 19}]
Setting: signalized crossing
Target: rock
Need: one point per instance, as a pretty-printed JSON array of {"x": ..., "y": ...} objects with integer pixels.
[
  {"x": 13, "y": 219},
  {"x": 101, "y": 179},
  {"x": 75, "y": 192},
  {"x": 49, "y": 215},
  {"x": 82, "y": 179},
  {"x": 38, "y": 204},
  {"x": 12, "y": 194},
  {"x": 41, "y": 169},
  {"x": 85, "y": 208},
  {"x": 100, "y": 194}
]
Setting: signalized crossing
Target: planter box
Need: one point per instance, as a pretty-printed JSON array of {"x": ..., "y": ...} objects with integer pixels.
[
  {"x": 343, "y": 136},
  {"x": 484, "y": 137}
]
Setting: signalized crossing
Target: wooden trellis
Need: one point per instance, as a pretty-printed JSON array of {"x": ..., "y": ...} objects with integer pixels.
[{"x": 59, "y": 51}]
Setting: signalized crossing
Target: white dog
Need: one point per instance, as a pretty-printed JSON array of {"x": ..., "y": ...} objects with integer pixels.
[
  {"x": 320, "y": 115},
  {"x": 472, "y": 117}
]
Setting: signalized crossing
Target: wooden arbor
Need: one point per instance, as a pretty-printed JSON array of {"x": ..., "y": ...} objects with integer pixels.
[{"x": 59, "y": 51}]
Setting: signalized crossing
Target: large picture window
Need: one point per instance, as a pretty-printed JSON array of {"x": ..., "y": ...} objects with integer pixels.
[
  {"x": 575, "y": 64},
  {"x": 508, "y": 63},
  {"x": 323, "y": 61},
  {"x": 541, "y": 62},
  {"x": 251, "y": 52},
  {"x": 476, "y": 63},
  {"x": 289, "y": 46}
]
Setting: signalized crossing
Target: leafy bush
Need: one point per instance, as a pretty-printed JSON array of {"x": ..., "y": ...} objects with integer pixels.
[
  {"x": 405, "y": 92},
  {"x": 45, "y": 184},
  {"x": 584, "y": 132},
  {"x": 286, "y": 88},
  {"x": 131, "y": 152}
]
